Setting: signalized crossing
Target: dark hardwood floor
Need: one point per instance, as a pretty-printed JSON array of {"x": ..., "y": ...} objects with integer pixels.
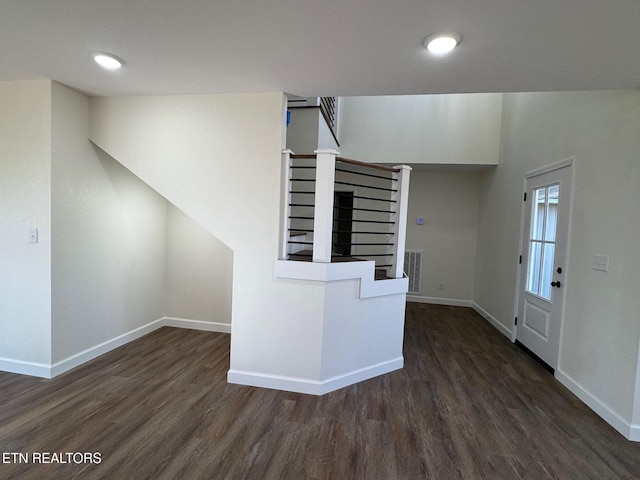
[{"x": 467, "y": 405}]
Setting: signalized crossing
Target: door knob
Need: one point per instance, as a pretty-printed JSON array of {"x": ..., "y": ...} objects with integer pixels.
[{"x": 556, "y": 284}]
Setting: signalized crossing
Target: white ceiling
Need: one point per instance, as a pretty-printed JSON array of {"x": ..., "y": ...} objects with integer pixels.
[{"x": 322, "y": 47}]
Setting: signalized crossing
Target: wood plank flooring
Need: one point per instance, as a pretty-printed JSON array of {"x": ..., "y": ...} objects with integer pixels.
[{"x": 467, "y": 405}]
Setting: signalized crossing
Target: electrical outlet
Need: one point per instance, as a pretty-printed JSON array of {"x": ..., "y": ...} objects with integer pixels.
[{"x": 600, "y": 262}]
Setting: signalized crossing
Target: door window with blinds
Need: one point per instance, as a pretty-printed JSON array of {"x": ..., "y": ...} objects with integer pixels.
[{"x": 542, "y": 241}]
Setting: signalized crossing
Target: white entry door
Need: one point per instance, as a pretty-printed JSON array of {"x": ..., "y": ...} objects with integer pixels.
[{"x": 543, "y": 269}]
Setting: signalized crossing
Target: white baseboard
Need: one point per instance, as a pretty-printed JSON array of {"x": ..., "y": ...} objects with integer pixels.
[
  {"x": 25, "y": 368},
  {"x": 312, "y": 387},
  {"x": 49, "y": 371},
  {"x": 197, "y": 325},
  {"x": 454, "y": 302},
  {"x": 629, "y": 431},
  {"x": 94, "y": 352},
  {"x": 492, "y": 320}
]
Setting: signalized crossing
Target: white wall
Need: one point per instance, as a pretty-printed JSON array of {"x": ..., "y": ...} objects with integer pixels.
[
  {"x": 199, "y": 272},
  {"x": 108, "y": 255},
  {"x": 361, "y": 333},
  {"x": 25, "y": 202},
  {"x": 113, "y": 256},
  {"x": 302, "y": 132},
  {"x": 218, "y": 159},
  {"x": 435, "y": 129},
  {"x": 599, "y": 344},
  {"x": 448, "y": 202},
  {"x": 308, "y": 131}
]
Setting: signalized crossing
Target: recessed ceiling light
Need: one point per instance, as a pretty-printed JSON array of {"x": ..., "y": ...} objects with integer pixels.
[
  {"x": 108, "y": 61},
  {"x": 442, "y": 43}
]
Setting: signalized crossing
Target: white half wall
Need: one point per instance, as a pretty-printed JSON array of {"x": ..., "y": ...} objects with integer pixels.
[
  {"x": 361, "y": 337},
  {"x": 25, "y": 203},
  {"x": 360, "y": 332},
  {"x": 434, "y": 129}
]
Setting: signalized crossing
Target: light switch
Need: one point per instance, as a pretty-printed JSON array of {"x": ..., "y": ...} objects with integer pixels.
[
  {"x": 600, "y": 262},
  {"x": 33, "y": 235}
]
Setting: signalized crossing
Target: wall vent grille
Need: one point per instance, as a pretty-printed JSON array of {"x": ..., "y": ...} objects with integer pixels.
[{"x": 413, "y": 269}]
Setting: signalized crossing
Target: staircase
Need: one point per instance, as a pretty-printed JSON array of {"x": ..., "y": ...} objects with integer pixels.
[
  {"x": 304, "y": 326},
  {"x": 367, "y": 230}
]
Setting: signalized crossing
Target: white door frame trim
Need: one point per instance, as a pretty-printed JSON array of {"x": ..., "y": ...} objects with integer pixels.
[{"x": 568, "y": 162}]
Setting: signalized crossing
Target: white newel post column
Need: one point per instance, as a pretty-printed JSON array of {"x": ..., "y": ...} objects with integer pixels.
[
  {"x": 285, "y": 209},
  {"x": 323, "y": 216},
  {"x": 399, "y": 228}
]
